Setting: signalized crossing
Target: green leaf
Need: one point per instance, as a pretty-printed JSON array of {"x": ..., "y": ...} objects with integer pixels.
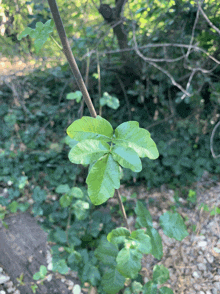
[
  {"x": 22, "y": 181},
  {"x": 156, "y": 242},
  {"x": 43, "y": 271},
  {"x": 150, "y": 288},
  {"x": 24, "y": 34},
  {"x": 144, "y": 218},
  {"x": 39, "y": 195},
  {"x": 160, "y": 274},
  {"x": 23, "y": 206},
  {"x": 136, "y": 287},
  {"x": 173, "y": 225},
  {"x": 90, "y": 128},
  {"x": 127, "y": 158},
  {"x": 13, "y": 206},
  {"x": 107, "y": 252},
  {"x": 74, "y": 258},
  {"x": 70, "y": 142},
  {"x": 165, "y": 290},
  {"x": 118, "y": 235},
  {"x": 74, "y": 96},
  {"x": 129, "y": 262},
  {"x": 40, "y": 33},
  {"x": 88, "y": 151},
  {"x": 65, "y": 200},
  {"x": 103, "y": 179},
  {"x": 60, "y": 236},
  {"x": 111, "y": 101},
  {"x": 60, "y": 266},
  {"x": 37, "y": 276},
  {"x": 91, "y": 274},
  {"x": 144, "y": 241},
  {"x": 215, "y": 211},
  {"x": 129, "y": 134},
  {"x": 61, "y": 189},
  {"x": 37, "y": 210},
  {"x": 112, "y": 281},
  {"x": 80, "y": 209},
  {"x": 76, "y": 192}
]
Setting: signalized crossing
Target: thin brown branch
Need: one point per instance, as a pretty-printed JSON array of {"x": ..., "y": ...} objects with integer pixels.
[
  {"x": 69, "y": 56},
  {"x": 122, "y": 209}
]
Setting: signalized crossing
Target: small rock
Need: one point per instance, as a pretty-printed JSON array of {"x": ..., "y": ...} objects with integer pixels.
[
  {"x": 197, "y": 287},
  {"x": 76, "y": 289},
  {"x": 217, "y": 278},
  {"x": 209, "y": 257},
  {"x": 217, "y": 285},
  {"x": 202, "y": 244},
  {"x": 201, "y": 292},
  {"x": 146, "y": 280},
  {"x": 195, "y": 274},
  {"x": 201, "y": 267},
  {"x": 201, "y": 259},
  {"x": 4, "y": 279}
]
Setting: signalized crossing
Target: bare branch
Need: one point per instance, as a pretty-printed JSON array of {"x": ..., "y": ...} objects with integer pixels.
[
  {"x": 158, "y": 67},
  {"x": 193, "y": 32},
  {"x": 196, "y": 48},
  {"x": 211, "y": 141},
  {"x": 207, "y": 19}
]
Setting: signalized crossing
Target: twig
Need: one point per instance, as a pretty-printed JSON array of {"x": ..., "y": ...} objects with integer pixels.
[
  {"x": 196, "y": 48},
  {"x": 211, "y": 141},
  {"x": 193, "y": 32},
  {"x": 207, "y": 19},
  {"x": 122, "y": 209},
  {"x": 158, "y": 67}
]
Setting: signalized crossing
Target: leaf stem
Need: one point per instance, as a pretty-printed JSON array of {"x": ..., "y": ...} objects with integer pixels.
[{"x": 122, "y": 209}]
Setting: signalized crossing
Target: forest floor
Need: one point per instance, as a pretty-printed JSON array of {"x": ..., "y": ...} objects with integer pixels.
[{"x": 193, "y": 263}]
